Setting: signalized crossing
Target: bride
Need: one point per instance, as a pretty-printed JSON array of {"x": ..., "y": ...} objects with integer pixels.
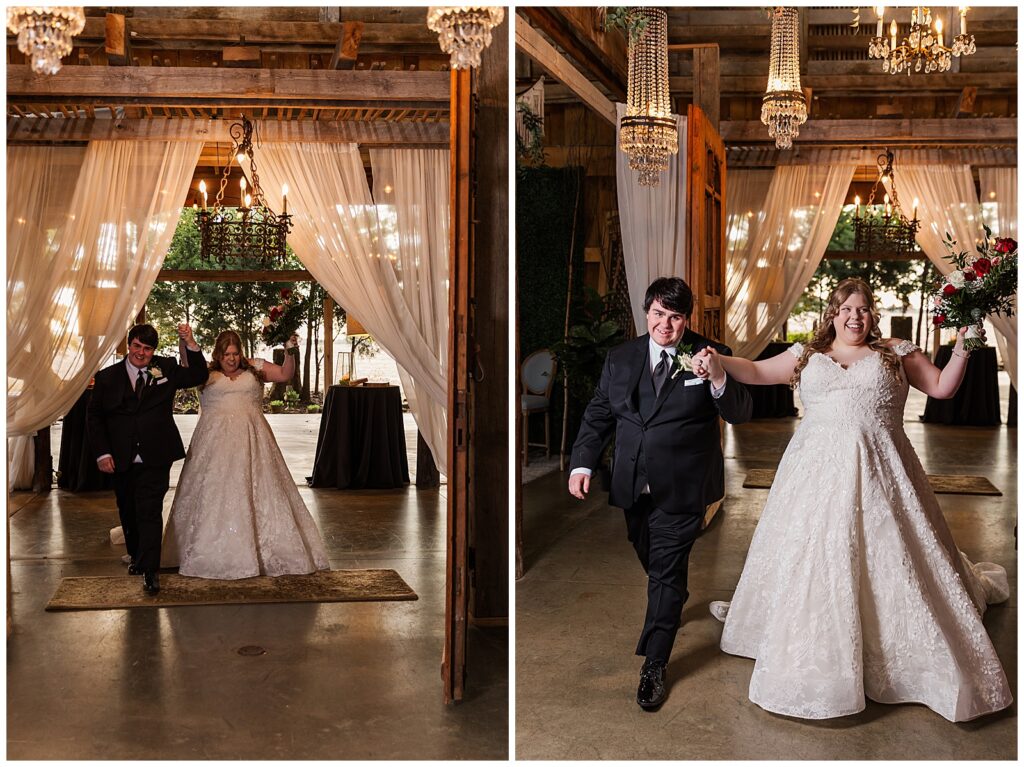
[
  {"x": 237, "y": 512},
  {"x": 853, "y": 585}
]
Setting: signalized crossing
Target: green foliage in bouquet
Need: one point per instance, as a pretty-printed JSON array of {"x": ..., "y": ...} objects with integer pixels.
[
  {"x": 980, "y": 284},
  {"x": 284, "y": 318}
]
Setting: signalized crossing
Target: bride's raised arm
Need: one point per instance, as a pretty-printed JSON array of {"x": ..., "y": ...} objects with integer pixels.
[
  {"x": 774, "y": 370},
  {"x": 278, "y": 373},
  {"x": 924, "y": 376}
]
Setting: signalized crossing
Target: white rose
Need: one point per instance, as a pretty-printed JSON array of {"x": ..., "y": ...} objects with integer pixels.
[{"x": 956, "y": 278}]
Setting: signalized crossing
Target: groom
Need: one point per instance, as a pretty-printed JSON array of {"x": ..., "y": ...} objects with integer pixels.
[
  {"x": 132, "y": 434},
  {"x": 668, "y": 457}
]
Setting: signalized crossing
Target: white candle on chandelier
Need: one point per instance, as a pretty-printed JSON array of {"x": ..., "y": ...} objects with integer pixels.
[
  {"x": 892, "y": 33},
  {"x": 938, "y": 30},
  {"x": 880, "y": 11},
  {"x": 856, "y": 206},
  {"x": 963, "y": 19},
  {"x": 284, "y": 197},
  {"x": 242, "y": 183},
  {"x": 915, "y": 209},
  {"x": 887, "y": 206},
  {"x": 202, "y": 190},
  {"x": 248, "y": 201}
]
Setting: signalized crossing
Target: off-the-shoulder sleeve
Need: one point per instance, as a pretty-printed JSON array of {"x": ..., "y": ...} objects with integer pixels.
[
  {"x": 796, "y": 349},
  {"x": 257, "y": 363},
  {"x": 903, "y": 348}
]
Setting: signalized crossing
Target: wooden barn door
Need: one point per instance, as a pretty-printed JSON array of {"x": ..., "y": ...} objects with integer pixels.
[
  {"x": 460, "y": 264},
  {"x": 705, "y": 206}
]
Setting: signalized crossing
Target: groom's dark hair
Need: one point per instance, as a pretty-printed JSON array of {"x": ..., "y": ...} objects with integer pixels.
[
  {"x": 145, "y": 333},
  {"x": 672, "y": 293}
]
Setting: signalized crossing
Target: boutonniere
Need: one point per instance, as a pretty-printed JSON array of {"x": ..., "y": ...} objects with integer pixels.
[
  {"x": 155, "y": 372},
  {"x": 682, "y": 359}
]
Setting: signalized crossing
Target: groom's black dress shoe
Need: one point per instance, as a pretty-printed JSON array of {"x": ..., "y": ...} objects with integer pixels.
[
  {"x": 150, "y": 582},
  {"x": 651, "y": 692},
  {"x": 133, "y": 569}
]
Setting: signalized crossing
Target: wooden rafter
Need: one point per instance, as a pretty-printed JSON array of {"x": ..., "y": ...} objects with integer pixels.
[{"x": 994, "y": 131}]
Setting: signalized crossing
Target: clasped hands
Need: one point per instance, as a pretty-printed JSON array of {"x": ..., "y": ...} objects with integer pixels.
[
  {"x": 185, "y": 334},
  {"x": 708, "y": 366}
]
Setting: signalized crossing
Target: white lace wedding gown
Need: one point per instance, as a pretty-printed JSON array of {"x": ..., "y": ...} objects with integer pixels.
[
  {"x": 853, "y": 584},
  {"x": 237, "y": 512}
]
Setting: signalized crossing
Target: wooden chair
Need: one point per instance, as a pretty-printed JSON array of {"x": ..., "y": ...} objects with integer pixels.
[{"x": 537, "y": 374}]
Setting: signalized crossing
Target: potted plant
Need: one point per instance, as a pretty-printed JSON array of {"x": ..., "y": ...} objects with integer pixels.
[
  {"x": 276, "y": 406},
  {"x": 314, "y": 408}
]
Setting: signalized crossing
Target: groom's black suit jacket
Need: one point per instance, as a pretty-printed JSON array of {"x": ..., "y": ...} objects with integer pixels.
[
  {"x": 124, "y": 426},
  {"x": 673, "y": 439}
]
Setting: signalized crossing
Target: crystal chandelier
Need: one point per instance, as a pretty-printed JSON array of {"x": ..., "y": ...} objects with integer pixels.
[
  {"x": 923, "y": 47},
  {"x": 783, "y": 108},
  {"x": 648, "y": 132},
  {"x": 464, "y": 31},
  {"x": 886, "y": 232},
  {"x": 255, "y": 232},
  {"x": 45, "y": 32}
]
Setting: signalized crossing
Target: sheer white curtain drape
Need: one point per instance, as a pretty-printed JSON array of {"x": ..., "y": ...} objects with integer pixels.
[
  {"x": 948, "y": 202},
  {"x": 772, "y": 254},
  {"x": 410, "y": 188},
  {"x": 653, "y": 223},
  {"x": 1000, "y": 212},
  {"x": 339, "y": 237},
  {"x": 87, "y": 232}
]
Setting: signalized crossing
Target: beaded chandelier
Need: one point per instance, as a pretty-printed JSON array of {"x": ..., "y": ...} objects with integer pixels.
[
  {"x": 648, "y": 132},
  {"x": 464, "y": 31},
  {"x": 783, "y": 108},
  {"x": 45, "y": 33}
]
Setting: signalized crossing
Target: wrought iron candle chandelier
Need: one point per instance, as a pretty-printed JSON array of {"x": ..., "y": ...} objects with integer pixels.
[
  {"x": 256, "y": 233},
  {"x": 45, "y": 33},
  {"x": 464, "y": 31},
  {"x": 888, "y": 232},
  {"x": 783, "y": 108},
  {"x": 922, "y": 48},
  {"x": 648, "y": 133}
]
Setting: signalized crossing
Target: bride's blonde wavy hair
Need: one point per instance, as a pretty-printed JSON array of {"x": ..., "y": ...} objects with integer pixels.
[
  {"x": 825, "y": 335},
  {"x": 224, "y": 340}
]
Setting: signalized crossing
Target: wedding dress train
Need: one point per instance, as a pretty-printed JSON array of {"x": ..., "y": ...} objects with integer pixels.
[
  {"x": 853, "y": 585},
  {"x": 237, "y": 512}
]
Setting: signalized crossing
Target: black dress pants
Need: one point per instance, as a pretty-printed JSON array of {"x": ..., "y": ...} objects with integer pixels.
[
  {"x": 140, "y": 502},
  {"x": 662, "y": 541}
]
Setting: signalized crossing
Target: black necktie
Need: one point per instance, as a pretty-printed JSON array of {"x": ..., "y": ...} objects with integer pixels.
[
  {"x": 140, "y": 384},
  {"x": 661, "y": 372}
]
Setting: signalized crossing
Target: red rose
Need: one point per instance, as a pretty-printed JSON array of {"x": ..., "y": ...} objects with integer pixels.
[
  {"x": 948, "y": 289},
  {"x": 275, "y": 313},
  {"x": 286, "y": 293},
  {"x": 1006, "y": 245},
  {"x": 969, "y": 275},
  {"x": 982, "y": 266},
  {"x": 938, "y": 319}
]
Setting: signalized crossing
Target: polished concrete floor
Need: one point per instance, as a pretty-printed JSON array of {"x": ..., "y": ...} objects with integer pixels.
[
  {"x": 580, "y": 606},
  {"x": 336, "y": 681}
]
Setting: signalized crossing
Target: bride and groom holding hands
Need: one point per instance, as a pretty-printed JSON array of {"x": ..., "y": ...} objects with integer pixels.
[
  {"x": 236, "y": 511},
  {"x": 853, "y": 586}
]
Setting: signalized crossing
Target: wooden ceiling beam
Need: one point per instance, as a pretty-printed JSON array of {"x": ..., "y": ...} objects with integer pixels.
[
  {"x": 530, "y": 42},
  {"x": 894, "y": 132},
  {"x": 376, "y": 133},
  {"x": 196, "y": 82},
  {"x": 879, "y": 84},
  {"x": 578, "y": 32},
  {"x": 770, "y": 157},
  {"x": 258, "y": 32},
  {"x": 347, "y": 50},
  {"x": 116, "y": 43}
]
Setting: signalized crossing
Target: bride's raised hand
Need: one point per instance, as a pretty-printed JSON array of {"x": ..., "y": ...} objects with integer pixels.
[{"x": 700, "y": 364}]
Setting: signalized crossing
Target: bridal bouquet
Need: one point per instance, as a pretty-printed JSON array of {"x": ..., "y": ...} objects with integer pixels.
[{"x": 980, "y": 284}]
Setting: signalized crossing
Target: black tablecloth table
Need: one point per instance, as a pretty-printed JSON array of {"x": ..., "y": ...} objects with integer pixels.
[
  {"x": 76, "y": 463},
  {"x": 774, "y": 401},
  {"x": 976, "y": 402},
  {"x": 362, "y": 439}
]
